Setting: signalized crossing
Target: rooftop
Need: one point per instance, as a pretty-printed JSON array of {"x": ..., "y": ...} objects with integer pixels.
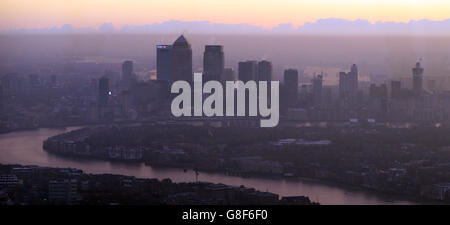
[{"x": 181, "y": 42}]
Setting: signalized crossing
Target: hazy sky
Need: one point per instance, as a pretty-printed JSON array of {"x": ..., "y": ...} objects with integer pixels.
[{"x": 15, "y": 14}]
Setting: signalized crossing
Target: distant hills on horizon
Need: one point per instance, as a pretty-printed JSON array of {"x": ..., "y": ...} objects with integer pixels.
[{"x": 329, "y": 26}]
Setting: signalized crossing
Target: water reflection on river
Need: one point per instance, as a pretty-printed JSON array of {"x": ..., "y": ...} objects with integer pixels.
[{"x": 25, "y": 147}]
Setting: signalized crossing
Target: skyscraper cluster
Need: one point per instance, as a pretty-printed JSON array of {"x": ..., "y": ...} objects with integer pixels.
[
  {"x": 174, "y": 62},
  {"x": 253, "y": 70},
  {"x": 417, "y": 85}
]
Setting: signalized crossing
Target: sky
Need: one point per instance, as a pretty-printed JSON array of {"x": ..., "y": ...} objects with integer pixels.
[{"x": 28, "y": 14}]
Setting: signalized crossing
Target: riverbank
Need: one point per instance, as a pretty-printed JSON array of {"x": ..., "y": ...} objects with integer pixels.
[
  {"x": 388, "y": 198},
  {"x": 33, "y": 185},
  {"x": 25, "y": 148},
  {"x": 258, "y": 157},
  {"x": 348, "y": 189}
]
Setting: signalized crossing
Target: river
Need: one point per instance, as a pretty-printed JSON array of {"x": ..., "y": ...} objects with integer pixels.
[{"x": 25, "y": 148}]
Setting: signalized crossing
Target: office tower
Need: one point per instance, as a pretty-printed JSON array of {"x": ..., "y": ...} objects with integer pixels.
[
  {"x": 396, "y": 87},
  {"x": 317, "y": 89},
  {"x": 291, "y": 86},
  {"x": 228, "y": 75},
  {"x": 248, "y": 70},
  {"x": 213, "y": 63},
  {"x": 264, "y": 71},
  {"x": 181, "y": 60},
  {"x": 127, "y": 74},
  {"x": 265, "y": 74},
  {"x": 417, "y": 79},
  {"x": 348, "y": 86},
  {"x": 103, "y": 91},
  {"x": 378, "y": 101},
  {"x": 163, "y": 62},
  {"x": 354, "y": 70}
]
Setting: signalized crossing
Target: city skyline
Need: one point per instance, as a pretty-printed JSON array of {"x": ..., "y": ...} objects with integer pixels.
[{"x": 221, "y": 110}]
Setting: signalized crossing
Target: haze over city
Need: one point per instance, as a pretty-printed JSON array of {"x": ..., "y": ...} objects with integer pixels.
[{"x": 142, "y": 102}]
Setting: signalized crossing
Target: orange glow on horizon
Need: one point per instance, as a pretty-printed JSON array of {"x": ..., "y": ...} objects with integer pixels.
[{"x": 17, "y": 14}]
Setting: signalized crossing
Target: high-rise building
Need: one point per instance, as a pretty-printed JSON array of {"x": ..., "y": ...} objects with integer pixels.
[
  {"x": 348, "y": 85},
  {"x": 264, "y": 71},
  {"x": 291, "y": 86},
  {"x": 396, "y": 88},
  {"x": 317, "y": 89},
  {"x": 417, "y": 79},
  {"x": 163, "y": 62},
  {"x": 213, "y": 63},
  {"x": 377, "y": 104},
  {"x": 265, "y": 74},
  {"x": 181, "y": 60},
  {"x": 248, "y": 70},
  {"x": 103, "y": 91},
  {"x": 127, "y": 74},
  {"x": 354, "y": 70}
]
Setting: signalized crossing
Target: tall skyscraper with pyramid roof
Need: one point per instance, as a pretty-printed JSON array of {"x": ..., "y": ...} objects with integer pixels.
[{"x": 181, "y": 54}]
